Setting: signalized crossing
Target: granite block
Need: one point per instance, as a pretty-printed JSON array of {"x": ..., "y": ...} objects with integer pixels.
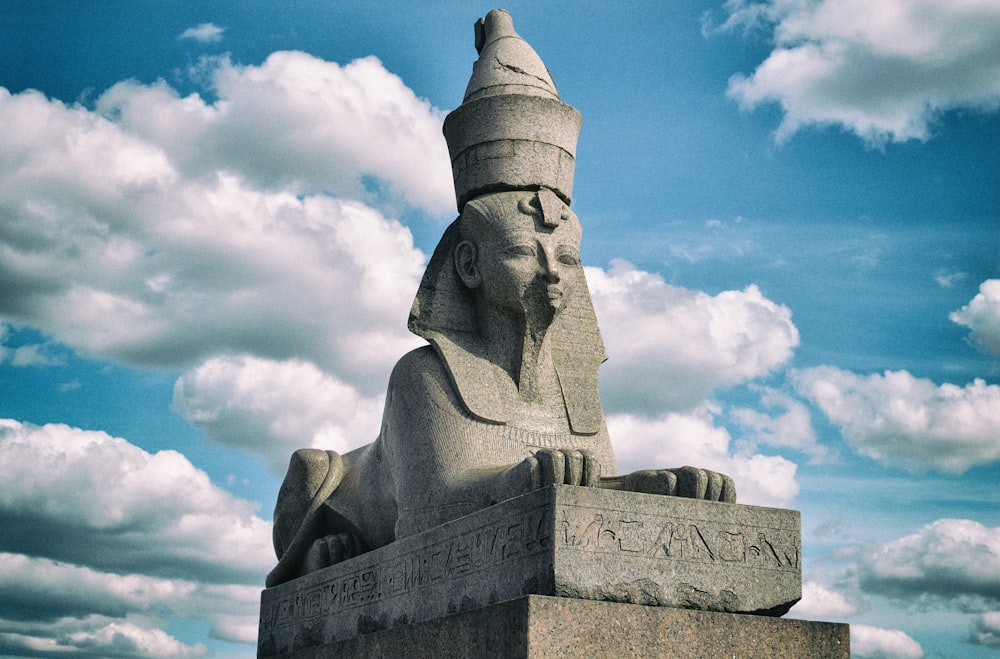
[
  {"x": 567, "y": 541},
  {"x": 537, "y": 626}
]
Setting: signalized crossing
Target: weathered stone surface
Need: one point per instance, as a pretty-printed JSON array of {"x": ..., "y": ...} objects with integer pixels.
[
  {"x": 504, "y": 399},
  {"x": 567, "y": 541},
  {"x": 536, "y": 626},
  {"x": 512, "y": 132},
  {"x": 531, "y": 143}
]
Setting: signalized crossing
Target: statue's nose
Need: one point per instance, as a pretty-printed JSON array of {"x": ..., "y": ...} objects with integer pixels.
[{"x": 548, "y": 265}]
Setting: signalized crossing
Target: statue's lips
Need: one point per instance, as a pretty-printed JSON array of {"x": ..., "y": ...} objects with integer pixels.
[{"x": 554, "y": 292}]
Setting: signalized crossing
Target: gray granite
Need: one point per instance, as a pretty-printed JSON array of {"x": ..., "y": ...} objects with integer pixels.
[
  {"x": 504, "y": 398},
  {"x": 511, "y": 132},
  {"x": 573, "y": 542},
  {"x": 488, "y": 517},
  {"x": 535, "y": 627}
]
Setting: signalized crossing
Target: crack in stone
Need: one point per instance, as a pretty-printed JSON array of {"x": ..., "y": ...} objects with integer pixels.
[{"x": 519, "y": 70}]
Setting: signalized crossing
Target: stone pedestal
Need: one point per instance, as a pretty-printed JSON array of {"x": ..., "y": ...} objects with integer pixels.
[
  {"x": 563, "y": 541},
  {"x": 536, "y": 626}
]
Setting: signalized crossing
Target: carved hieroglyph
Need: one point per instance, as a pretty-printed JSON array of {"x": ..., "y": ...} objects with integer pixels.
[
  {"x": 504, "y": 399},
  {"x": 584, "y": 543}
]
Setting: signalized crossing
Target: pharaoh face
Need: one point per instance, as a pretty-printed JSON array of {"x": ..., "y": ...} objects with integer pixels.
[{"x": 521, "y": 261}]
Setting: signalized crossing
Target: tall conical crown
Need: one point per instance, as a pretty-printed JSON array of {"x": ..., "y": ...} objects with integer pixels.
[{"x": 511, "y": 131}]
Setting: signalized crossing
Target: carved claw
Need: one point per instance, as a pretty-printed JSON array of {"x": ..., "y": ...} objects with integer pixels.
[
  {"x": 332, "y": 549},
  {"x": 689, "y": 482},
  {"x": 564, "y": 466}
]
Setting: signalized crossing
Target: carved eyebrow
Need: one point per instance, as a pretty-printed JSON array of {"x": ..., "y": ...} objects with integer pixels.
[
  {"x": 520, "y": 249},
  {"x": 568, "y": 250},
  {"x": 520, "y": 237}
]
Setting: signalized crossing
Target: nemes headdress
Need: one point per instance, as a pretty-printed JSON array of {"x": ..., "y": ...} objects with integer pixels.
[{"x": 513, "y": 145}]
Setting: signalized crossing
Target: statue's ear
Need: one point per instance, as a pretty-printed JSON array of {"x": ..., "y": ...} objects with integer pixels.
[{"x": 467, "y": 265}]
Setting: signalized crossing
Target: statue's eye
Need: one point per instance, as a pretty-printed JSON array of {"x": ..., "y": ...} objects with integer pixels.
[
  {"x": 520, "y": 250},
  {"x": 568, "y": 258}
]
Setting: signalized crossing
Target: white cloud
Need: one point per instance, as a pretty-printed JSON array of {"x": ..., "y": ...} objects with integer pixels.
[
  {"x": 88, "y": 498},
  {"x": 126, "y": 639},
  {"x": 272, "y": 408},
  {"x": 982, "y": 316},
  {"x": 35, "y": 354},
  {"x": 877, "y": 643},
  {"x": 951, "y": 560},
  {"x": 670, "y": 347},
  {"x": 162, "y": 230},
  {"x": 820, "y": 603},
  {"x": 111, "y": 249},
  {"x": 909, "y": 422},
  {"x": 790, "y": 427},
  {"x": 93, "y": 636},
  {"x": 948, "y": 278},
  {"x": 5, "y": 351},
  {"x": 675, "y": 440},
  {"x": 985, "y": 630},
  {"x": 204, "y": 32},
  {"x": 28, "y": 354},
  {"x": 54, "y": 591},
  {"x": 884, "y": 70},
  {"x": 297, "y": 122},
  {"x": 104, "y": 542}
]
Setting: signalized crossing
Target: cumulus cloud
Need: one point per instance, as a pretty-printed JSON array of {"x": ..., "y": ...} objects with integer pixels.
[
  {"x": 103, "y": 542},
  {"x": 878, "y": 643},
  {"x": 28, "y": 354},
  {"x": 271, "y": 408},
  {"x": 956, "y": 561},
  {"x": 985, "y": 630},
  {"x": 675, "y": 440},
  {"x": 204, "y": 32},
  {"x": 93, "y": 636},
  {"x": 81, "y": 607},
  {"x": 297, "y": 121},
  {"x": 89, "y": 498},
  {"x": 160, "y": 230},
  {"x": 982, "y": 316},
  {"x": 164, "y": 274},
  {"x": 883, "y": 70},
  {"x": 789, "y": 426},
  {"x": 820, "y": 603},
  {"x": 948, "y": 278},
  {"x": 904, "y": 421},
  {"x": 670, "y": 347},
  {"x": 36, "y": 354}
]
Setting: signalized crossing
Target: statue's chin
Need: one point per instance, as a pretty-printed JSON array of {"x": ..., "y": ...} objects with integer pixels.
[{"x": 542, "y": 317}]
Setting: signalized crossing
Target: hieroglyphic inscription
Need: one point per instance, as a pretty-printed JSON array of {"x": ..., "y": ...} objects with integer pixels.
[
  {"x": 705, "y": 541},
  {"x": 468, "y": 553}
]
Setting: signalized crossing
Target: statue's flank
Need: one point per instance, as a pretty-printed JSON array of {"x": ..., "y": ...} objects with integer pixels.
[{"x": 504, "y": 399}]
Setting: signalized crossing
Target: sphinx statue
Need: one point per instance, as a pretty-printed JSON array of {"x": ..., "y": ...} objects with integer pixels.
[{"x": 504, "y": 398}]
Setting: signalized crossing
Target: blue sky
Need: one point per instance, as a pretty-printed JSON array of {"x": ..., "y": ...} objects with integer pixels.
[{"x": 213, "y": 217}]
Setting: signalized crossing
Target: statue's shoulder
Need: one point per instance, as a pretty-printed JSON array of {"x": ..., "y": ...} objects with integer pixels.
[
  {"x": 421, "y": 373},
  {"x": 424, "y": 379},
  {"x": 417, "y": 363}
]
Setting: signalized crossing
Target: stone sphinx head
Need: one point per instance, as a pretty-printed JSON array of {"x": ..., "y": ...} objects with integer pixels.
[
  {"x": 519, "y": 257},
  {"x": 512, "y": 257}
]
